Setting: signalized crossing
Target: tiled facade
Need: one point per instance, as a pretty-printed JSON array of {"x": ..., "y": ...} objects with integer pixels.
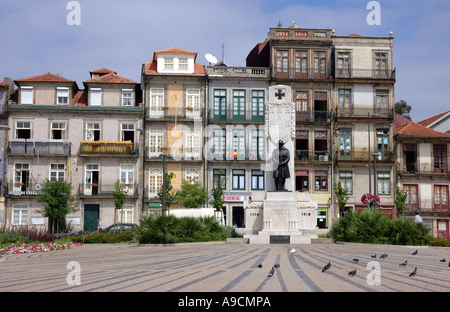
[{"x": 208, "y": 120}]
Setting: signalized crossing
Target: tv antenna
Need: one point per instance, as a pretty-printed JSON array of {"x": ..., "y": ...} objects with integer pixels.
[{"x": 211, "y": 58}]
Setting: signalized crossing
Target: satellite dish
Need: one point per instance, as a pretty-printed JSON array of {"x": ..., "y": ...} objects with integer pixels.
[{"x": 210, "y": 58}]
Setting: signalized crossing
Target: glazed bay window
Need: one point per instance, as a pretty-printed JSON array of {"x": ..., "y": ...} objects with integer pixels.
[
  {"x": 19, "y": 214},
  {"x": 383, "y": 183},
  {"x": 257, "y": 180},
  {"x": 258, "y": 105},
  {"x": 440, "y": 197},
  {"x": 238, "y": 179},
  {"x": 57, "y": 172},
  {"x": 156, "y": 102},
  {"x": 238, "y": 104},
  {"x": 62, "y": 95},
  {"x": 127, "y": 95}
]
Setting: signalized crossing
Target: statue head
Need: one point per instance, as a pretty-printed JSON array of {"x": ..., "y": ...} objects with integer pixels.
[{"x": 280, "y": 143}]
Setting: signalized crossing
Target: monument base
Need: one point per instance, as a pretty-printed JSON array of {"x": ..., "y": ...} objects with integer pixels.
[{"x": 278, "y": 237}]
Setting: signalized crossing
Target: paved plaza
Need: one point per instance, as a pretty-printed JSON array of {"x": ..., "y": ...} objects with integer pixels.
[{"x": 224, "y": 267}]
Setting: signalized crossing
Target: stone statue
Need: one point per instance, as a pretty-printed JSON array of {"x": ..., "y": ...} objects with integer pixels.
[{"x": 281, "y": 157}]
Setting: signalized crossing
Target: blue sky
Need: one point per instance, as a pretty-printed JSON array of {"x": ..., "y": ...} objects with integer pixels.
[{"x": 122, "y": 35}]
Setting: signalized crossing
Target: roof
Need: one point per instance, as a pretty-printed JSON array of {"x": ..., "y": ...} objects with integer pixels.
[
  {"x": 110, "y": 78},
  {"x": 431, "y": 120},
  {"x": 150, "y": 68},
  {"x": 399, "y": 120},
  {"x": 4, "y": 85},
  {"x": 414, "y": 130},
  {"x": 45, "y": 77},
  {"x": 174, "y": 50},
  {"x": 102, "y": 70}
]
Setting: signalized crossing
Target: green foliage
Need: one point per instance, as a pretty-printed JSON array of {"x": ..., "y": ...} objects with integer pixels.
[
  {"x": 169, "y": 197},
  {"x": 371, "y": 226},
  {"x": 192, "y": 195},
  {"x": 440, "y": 242},
  {"x": 162, "y": 229},
  {"x": 106, "y": 237},
  {"x": 119, "y": 194},
  {"x": 341, "y": 195},
  {"x": 403, "y": 109},
  {"x": 400, "y": 199},
  {"x": 217, "y": 193}
]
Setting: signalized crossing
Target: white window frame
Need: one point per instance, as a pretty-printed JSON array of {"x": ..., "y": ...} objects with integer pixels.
[
  {"x": 192, "y": 144},
  {"x": 95, "y": 96},
  {"x": 19, "y": 214},
  {"x": 183, "y": 64},
  {"x": 23, "y": 125},
  {"x": 156, "y": 102},
  {"x": 156, "y": 142},
  {"x": 193, "y": 107},
  {"x": 26, "y": 95},
  {"x": 62, "y": 96},
  {"x": 127, "y": 177},
  {"x": 127, "y": 97},
  {"x": 192, "y": 175},
  {"x": 59, "y": 170},
  {"x": 169, "y": 63},
  {"x": 89, "y": 168},
  {"x": 155, "y": 182},
  {"x": 127, "y": 214},
  {"x": 58, "y": 125},
  {"x": 90, "y": 127},
  {"x": 19, "y": 167}
]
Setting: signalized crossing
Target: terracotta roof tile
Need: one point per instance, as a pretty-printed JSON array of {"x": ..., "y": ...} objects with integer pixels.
[
  {"x": 4, "y": 85},
  {"x": 429, "y": 121},
  {"x": 150, "y": 68},
  {"x": 80, "y": 98},
  {"x": 110, "y": 78},
  {"x": 45, "y": 77},
  {"x": 102, "y": 70},
  {"x": 415, "y": 130},
  {"x": 173, "y": 49}
]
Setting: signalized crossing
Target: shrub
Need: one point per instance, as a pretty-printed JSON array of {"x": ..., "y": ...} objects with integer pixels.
[
  {"x": 106, "y": 237},
  {"x": 407, "y": 232}
]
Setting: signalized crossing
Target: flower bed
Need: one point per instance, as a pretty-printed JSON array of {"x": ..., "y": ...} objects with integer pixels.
[{"x": 30, "y": 248}]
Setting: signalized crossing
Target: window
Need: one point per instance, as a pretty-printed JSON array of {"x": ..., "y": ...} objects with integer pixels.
[
  {"x": 91, "y": 186},
  {"x": 219, "y": 144},
  {"x": 220, "y": 104},
  {"x": 239, "y": 144},
  {"x": 220, "y": 175},
  {"x": 257, "y": 145},
  {"x": 126, "y": 214},
  {"x": 440, "y": 158},
  {"x": 182, "y": 64},
  {"x": 193, "y": 103},
  {"x": 62, "y": 95},
  {"x": 238, "y": 179},
  {"x": 320, "y": 145},
  {"x": 320, "y": 106},
  {"x": 282, "y": 63},
  {"x": 343, "y": 64},
  {"x": 23, "y": 130},
  {"x": 26, "y": 95},
  {"x": 127, "y": 132},
  {"x": 440, "y": 197},
  {"x": 192, "y": 175},
  {"x": 21, "y": 177},
  {"x": 57, "y": 172},
  {"x": 96, "y": 96},
  {"x": 320, "y": 64},
  {"x": 156, "y": 102},
  {"x": 345, "y": 144},
  {"x": 301, "y": 64},
  {"x": 58, "y": 130},
  {"x": 155, "y": 182},
  {"x": 127, "y": 95},
  {"x": 127, "y": 177},
  {"x": 301, "y": 104},
  {"x": 321, "y": 180},
  {"x": 380, "y": 64},
  {"x": 301, "y": 180},
  {"x": 192, "y": 144},
  {"x": 382, "y": 102},
  {"x": 346, "y": 179},
  {"x": 156, "y": 142},
  {"x": 168, "y": 63},
  {"x": 19, "y": 214},
  {"x": 257, "y": 105},
  {"x": 412, "y": 201},
  {"x": 383, "y": 183},
  {"x": 345, "y": 103},
  {"x": 92, "y": 131},
  {"x": 410, "y": 158},
  {"x": 238, "y": 104},
  {"x": 302, "y": 145},
  {"x": 257, "y": 180},
  {"x": 383, "y": 143}
]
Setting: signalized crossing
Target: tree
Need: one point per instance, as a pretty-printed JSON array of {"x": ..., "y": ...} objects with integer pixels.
[
  {"x": 169, "y": 197},
  {"x": 341, "y": 196},
  {"x": 217, "y": 194},
  {"x": 120, "y": 197},
  {"x": 400, "y": 200},
  {"x": 403, "y": 109},
  {"x": 191, "y": 195},
  {"x": 58, "y": 203}
]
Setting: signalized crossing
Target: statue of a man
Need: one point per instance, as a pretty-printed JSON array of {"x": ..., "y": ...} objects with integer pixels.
[{"x": 281, "y": 157}]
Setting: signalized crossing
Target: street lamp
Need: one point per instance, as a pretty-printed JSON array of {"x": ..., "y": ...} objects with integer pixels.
[
  {"x": 375, "y": 155},
  {"x": 163, "y": 155}
]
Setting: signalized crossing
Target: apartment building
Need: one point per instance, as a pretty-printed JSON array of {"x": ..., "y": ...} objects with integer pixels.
[
  {"x": 174, "y": 95},
  {"x": 235, "y": 136},
  {"x": 86, "y": 137},
  {"x": 423, "y": 171},
  {"x": 6, "y": 87}
]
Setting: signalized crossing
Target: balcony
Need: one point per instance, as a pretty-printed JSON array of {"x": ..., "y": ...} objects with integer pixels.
[
  {"x": 414, "y": 169},
  {"x": 363, "y": 112},
  {"x": 352, "y": 73},
  {"x": 22, "y": 189},
  {"x": 234, "y": 115},
  {"x": 300, "y": 34},
  {"x": 314, "y": 116},
  {"x": 238, "y": 72},
  {"x": 170, "y": 113},
  {"x": 104, "y": 190},
  {"x": 314, "y": 156},
  {"x": 175, "y": 154},
  {"x": 38, "y": 147},
  {"x": 104, "y": 148},
  {"x": 363, "y": 156},
  {"x": 292, "y": 72}
]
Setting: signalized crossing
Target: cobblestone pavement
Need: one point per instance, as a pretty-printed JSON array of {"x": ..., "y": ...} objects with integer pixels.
[{"x": 221, "y": 267}]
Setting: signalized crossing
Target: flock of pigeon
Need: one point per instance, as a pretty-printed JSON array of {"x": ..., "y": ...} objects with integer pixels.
[
  {"x": 383, "y": 256},
  {"x": 353, "y": 272}
]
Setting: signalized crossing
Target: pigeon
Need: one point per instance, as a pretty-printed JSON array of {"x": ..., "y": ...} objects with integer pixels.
[
  {"x": 277, "y": 265},
  {"x": 260, "y": 265},
  {"x": 374, "y": 255},
  {"x": 442, "y": 260},
  {"x": 291, "y": 251},
  {"x": 326, "y": 267},
  {"x": 352, "y": 273},
  {"x": 415, "y": 252},
  {"x": 356, "y": 260},
  {"x": 383, "y": 256},
  {"x": 413, "y": 272},
  {"x": 271, "y": 272},
  {"x": 403, "y": 264}
]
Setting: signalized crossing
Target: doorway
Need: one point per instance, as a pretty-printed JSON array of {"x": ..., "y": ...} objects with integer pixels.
[
  {"x": 91, "y": 215},
  {"x": 238, "y": 217}
]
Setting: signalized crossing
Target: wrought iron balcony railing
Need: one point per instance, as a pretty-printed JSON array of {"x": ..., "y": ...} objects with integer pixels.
[
  {"x": 39, "y": 147},
  {"x": 100, "y": 189}
]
